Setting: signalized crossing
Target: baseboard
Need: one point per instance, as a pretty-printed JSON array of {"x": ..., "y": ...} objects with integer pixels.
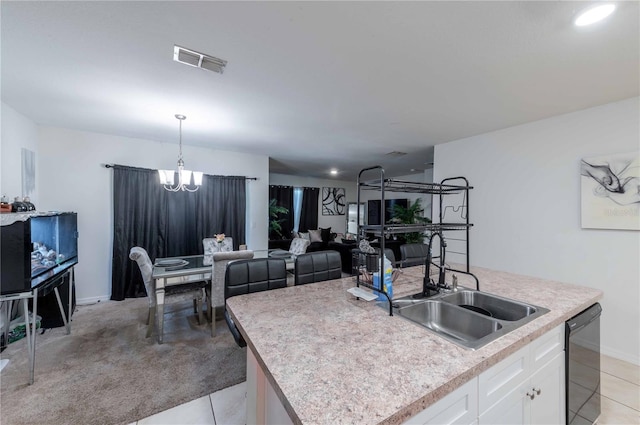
[
  {"x": 91, "y": 300},
  {"x": 629, "y": 358}
]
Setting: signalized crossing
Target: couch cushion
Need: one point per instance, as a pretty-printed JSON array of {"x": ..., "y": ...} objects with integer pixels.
[
  {"x": 299, "y": 246},
  {"x": 315, "y": 235},
  {"x": 325, "y": 234}
]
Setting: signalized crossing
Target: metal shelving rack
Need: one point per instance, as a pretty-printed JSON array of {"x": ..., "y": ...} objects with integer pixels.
[{"x": 383, "y": 185}]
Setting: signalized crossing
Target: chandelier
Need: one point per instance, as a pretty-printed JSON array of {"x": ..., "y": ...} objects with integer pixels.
[{"x": 167, "y": 177}]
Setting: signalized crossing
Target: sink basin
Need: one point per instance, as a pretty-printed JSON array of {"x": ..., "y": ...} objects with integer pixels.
[
  {"x": 468, "y": 318},
  {"x": 448, "y": 320},
  {"x": 490, "y": 305}
]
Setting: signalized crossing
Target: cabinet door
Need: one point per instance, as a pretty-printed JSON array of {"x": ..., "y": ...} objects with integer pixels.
[
  {"x": 512, "y": 409},
  {"x": 503, "y": 378},
  {"x": 548, "y": 407},
  {"x": 459, "y": 407}
]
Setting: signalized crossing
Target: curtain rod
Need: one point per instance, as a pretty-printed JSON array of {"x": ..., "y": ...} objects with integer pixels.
[{"x": 112, "y": 165}]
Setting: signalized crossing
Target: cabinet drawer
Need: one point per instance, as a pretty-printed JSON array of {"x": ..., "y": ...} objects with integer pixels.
[
  {"x": 459, "y": 407},
  {"x": 503, "y": 378},
  {"x": 545, "y": 348}
]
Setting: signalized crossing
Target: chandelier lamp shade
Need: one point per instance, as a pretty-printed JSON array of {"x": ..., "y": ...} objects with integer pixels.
[{"x": 167, "y": 177}]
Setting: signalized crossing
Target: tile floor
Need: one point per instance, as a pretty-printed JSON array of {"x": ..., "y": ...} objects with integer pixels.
[{"x": 620, "y": 401}]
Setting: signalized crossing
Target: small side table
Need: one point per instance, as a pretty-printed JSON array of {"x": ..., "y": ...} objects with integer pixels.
[{"x": 33, "y": 295}]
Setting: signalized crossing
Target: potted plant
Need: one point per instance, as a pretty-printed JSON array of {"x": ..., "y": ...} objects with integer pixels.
[
  {"x": 410, "y": 215},
  {"x": 274, "y": 220}
]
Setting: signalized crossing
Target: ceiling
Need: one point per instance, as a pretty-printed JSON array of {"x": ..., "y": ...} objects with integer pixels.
[{"x": 314, "y": 85}]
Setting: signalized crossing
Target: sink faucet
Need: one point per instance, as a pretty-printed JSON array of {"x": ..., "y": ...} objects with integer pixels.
[{"x": 428, "y": 285}]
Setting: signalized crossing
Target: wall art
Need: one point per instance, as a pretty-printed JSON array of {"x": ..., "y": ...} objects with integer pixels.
[
  {"x": 333, "y": 201},
  {"x": 610, "y": 187},
  {"x": 28, "y": 173}
]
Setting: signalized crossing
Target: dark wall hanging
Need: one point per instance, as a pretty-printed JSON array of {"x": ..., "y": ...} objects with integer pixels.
[{"x": 333, "y": 201}]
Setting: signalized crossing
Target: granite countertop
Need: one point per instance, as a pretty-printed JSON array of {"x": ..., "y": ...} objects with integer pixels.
[{"x": 333, "y": 358}]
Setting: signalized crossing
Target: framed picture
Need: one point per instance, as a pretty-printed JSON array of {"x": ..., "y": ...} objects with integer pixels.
[
  {"x": 28, "y": 173},
  {"x": 333, "y": 201},
  {"x": 610, "y": 191}
]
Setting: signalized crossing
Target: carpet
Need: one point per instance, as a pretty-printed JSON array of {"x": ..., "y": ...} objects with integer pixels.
[{"x": 107, "y": 372}]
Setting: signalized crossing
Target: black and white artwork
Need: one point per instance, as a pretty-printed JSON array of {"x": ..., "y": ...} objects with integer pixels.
[
  {"x": 28, "y": 173},
  {"x": 610, "y": 188},
  {"x": 333, "y": 201}
]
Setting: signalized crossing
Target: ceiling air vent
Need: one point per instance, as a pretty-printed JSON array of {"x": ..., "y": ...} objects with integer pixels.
[
  {"x": 199, "y": 60},
  {"x": 395, "y": 154}
]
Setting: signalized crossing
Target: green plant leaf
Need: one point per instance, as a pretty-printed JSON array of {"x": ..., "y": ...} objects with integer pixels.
[{"x": 274, "y": 217}]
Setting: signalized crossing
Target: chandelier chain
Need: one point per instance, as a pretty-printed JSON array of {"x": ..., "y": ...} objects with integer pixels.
[{"x": 184, "y": 176}]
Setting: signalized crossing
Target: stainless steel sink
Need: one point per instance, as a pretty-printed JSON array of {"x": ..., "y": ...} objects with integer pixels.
[
  {"x": 447, "y": 319},
  {"x": 490, "y": 305},
  {"x": 455, "y": 316}
]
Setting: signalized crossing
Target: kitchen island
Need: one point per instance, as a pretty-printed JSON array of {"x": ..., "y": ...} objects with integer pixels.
[{"x": 331, "y": 358}]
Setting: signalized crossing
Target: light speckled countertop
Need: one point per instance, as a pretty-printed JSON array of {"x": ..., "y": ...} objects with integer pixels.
[{"x": 335, "y": 359}]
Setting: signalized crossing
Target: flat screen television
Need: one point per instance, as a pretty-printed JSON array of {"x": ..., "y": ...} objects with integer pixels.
[{"x": 374, "y": 212}]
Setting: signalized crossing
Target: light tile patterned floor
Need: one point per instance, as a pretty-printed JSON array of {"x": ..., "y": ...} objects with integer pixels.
[
  {"x": 620, "y": 390},
  {"x": 620, "y": 401}
]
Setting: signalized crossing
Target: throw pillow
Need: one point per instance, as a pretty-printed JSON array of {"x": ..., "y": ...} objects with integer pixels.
[
  {"x": 325, "y": 234},
  {"x": 304, "y": 235},
  {"x": 294, "y": 234},
  {"x": 315, "y": 235}
]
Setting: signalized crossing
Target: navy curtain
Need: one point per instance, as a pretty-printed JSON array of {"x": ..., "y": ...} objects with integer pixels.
[
  {"x": 168, "y": 224},
  {"x": 309, "y": 213}
]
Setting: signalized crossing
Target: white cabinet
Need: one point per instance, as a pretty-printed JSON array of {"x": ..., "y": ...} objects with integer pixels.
[
  {"x": 458, "y": 407},
  {"x": 548, "y": 386},
  {"x": 528, "y": 386}
]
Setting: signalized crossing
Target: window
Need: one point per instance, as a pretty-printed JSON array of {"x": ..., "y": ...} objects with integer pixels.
[{"x": 297, "y": 207}]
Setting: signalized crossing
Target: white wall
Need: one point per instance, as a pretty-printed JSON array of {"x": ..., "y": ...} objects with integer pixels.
[
  {"x": 17, "y": 132},
  {"x": 338, "y": 223},
  {"x": 72, "y": 178},
  {"x": 526, "y": 209}
]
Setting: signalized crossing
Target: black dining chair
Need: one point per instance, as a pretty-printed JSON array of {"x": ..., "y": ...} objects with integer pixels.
[
  {"x": 388, "y": 252},
  {"x": 249, "y": 276},
  {"x": 317, "y": 267},
  {"x": 413, "y": 254}
]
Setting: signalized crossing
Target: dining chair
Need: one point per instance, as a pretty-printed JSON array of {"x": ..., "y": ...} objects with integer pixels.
[
  {"x": 249, "y": 276},
  {"x": 317, "y": 267},
  {"x": 413, "y": 254},
  {"x": 176, "y": 293},
  {"x": 388, "y": 252},
  {"x": 211, "y": 245},
  {"x": 215, "y": 292}
]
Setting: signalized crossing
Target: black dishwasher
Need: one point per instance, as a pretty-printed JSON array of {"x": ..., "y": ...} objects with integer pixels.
[{"x": 582, "y": 345}]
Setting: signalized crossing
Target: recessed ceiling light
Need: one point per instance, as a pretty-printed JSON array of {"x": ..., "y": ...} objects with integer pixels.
[
  {"x": 594, "y": 14},
  {"x": 334, "y": 172}
]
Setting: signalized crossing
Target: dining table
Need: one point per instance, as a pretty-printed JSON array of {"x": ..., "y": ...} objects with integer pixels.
[{"x": 185, "y": 269}]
